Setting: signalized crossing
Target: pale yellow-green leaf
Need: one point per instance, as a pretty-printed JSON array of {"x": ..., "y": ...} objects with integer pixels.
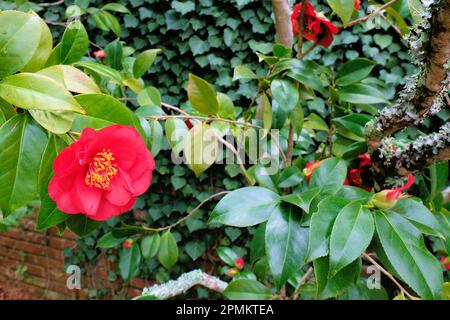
[
  {"x": 200, "y": 148},
  {"x": 72, "y": 78}
]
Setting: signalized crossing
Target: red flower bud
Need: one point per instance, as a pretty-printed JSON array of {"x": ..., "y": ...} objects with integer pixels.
[
  {"x": 386, "y": 199},
  {"x": 188, "y": 124},
  {"x": 239, "y": 262},
  {"x": 358, "y": 4},
  {"x": 365, "y": 162},
  {"x": 445, "y": 262},
  {"x": 128, "y": 244},
  {"x": 99, "y": 54},
  {"x": 354, "y": 177}
]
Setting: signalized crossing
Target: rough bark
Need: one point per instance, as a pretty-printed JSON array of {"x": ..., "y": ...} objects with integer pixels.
[
  {"x": 283, "y": 27},
  {"x": 424, "y": 94}
]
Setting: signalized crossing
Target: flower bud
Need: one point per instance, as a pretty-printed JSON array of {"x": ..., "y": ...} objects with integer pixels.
[
  {"x": 128, "y": 243},
  {"x": 232, "y": 272},
  {"x": 386, "y": 199},
  {"x": 239, "y": 262},
  {"x": 99, "y": 54}
]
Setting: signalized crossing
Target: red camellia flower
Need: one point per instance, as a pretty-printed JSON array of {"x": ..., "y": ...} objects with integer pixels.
[
  {"x": 239, "y": 262},
  {"x": 102, "y": 173},
  {"x": 445, "y": 263},
  {"x": 386, "y": 199},
  {"x": 358, "y": 4},
  {"x": 354, "y": 177},
  {"x": 318, "y": 29},
  {"x": 99, "y": 54},
  {"x": 365, "y": 162}
]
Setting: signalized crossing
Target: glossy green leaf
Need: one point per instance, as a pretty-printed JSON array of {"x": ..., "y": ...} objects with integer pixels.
[
  {"x": 202, "y": 95},
  {"x": 286, "y": 243},
  {"x": 243, "y": 73},
  {"x": 114, "y": 54},
  {"x": 176, "y": 131},
  {"x": 168, "y": 250},
  {"x": 227, "y": 255},
  {"x": 226, "y": 106},
  {"x": 408, "y": 256},
  {"x": 38, "y": 92},
  {"x": 22, "y": 143},
  {"x": 200, "y": 148},
  {"x": 81, "y": 225},
  {"x": 108, "y": 240},
  {"x": 302, "y": 200},
  {"x": 343, "y": 8},
  {"x": 285, "y": 93},
  {"x": 101, "y": 70},
  {"x": 331, "y": 172},
  {"x": 266, "y": 108},
  {"x": 361, "y": 94},
  {"x": 258, "y": 243},
  {"x": 73, "y": 79},
  {"x": 19, "y": 40},
  {"x": 144, "y": 61},
  {"x": 354, "y": 71},
  {"x": 74, "y": 43},
  {"x": 246, "y": 289},
  {"x": 149, "y": 96},
  {"x": 129, "y": 260},
  {"x": 321, "y": 225},
  {"x": 245, "y": 207},
  {"x": 116, "y": 7},
  {"x": 150, "y": 245},
  {"x": 351, "y": 234}
]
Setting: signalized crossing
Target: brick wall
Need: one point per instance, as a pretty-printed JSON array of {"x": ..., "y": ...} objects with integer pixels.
[{"x": 34, "y": 261}]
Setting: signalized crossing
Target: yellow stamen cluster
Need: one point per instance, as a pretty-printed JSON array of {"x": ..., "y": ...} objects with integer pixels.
[{"x": 101, "y": 170}]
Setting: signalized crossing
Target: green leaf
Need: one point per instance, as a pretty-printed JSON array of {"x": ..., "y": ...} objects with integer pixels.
[
  {"x": 352, "y": 232},
  {"x": 101, "y": 70},
  {"x": 129, "y": 261},
  {"x": 266, "y": 107},
  {"x": 245, "y": 207},
  {"x": 200, "y": 148},
  {"x": 73, "y": 79},
  {"x": 285, "y": 93},
  {"x": 183, "y": 7},
  {"x": 38, "y": 92},
  {"x": 202, "y": 95},
  {"x": 306, "y": 74},
  {"x": 361, "y": 94},
  {"x": 286, "y": 243},
  {"x": 246, "y": 289},
  {"x": 417, "y": 10},
  {"x": 331, "y": 287},
  {"x": 302, "y": 200},
  {"x": 408, "y": 255},
  {"x": 195, "y": 249},
  {"x": 343, "y": 8},
  {"x": 419, "y": 216},
  {"x": 243, "y": 73},
  {"x": 150, "y": 245},
  {"x": 58, "y": 122},
  {"x": 49, "y": 215},
  {"x": 19, "y": 40},
  {"x": 198, "y": 46},
  {"x": 314, "y": 122},
  {"x": 290, "y": 177},
  {"x": 43, "y": 50},
  {"x": 81, "y": 225},
  {"x": 226, "y": 106},
  {"x": 352, "y": 125},
  {"x": 104, "y": 110},
  {"x": 383, "y": 40},
  {"x": 227, "y": 255},
  {"x": 156, "y": 140},
  {"x": 22, "y": 144},
  {"x": 144, "y": 61},
  {"x": 176, "y": 132},
  {"x": 116, "y": 7},
  {"x": 149, "y": 96},
  {"x": 354, "y": 71},
  {"x": 258, "y": 243},
  {"x": 331, "y": 172},
  {"x": 321, "y": 225},
  {"x": 108, "y": 240},
  {"x": 114, "y": 54},
  {"x": 168, "y": 250},
  {"x": 74, "y": 43}
]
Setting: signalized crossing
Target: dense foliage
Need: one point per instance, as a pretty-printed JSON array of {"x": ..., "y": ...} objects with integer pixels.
[{"x": 290, "y": 216}]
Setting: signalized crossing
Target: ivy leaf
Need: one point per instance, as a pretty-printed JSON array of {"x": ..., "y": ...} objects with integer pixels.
[
  {"x": 243, "y": 73},
  {"x": 286, "y": 243},
  {"x": 245, "y": 207},
  {"x": 202, "y": 95},
  {"x": 168, "y": 250}
]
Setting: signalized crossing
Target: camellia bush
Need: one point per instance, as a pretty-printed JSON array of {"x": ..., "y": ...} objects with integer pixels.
[{"x": 340, "y": 201}]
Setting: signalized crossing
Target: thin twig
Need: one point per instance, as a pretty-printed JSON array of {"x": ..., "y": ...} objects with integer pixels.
[
  {"x": 95, "y": 45},
  {"x": 310, "y": 49},
  {"x": 391, "y": 24},
  {"x": 49, "y": 4},
  {"x": 301, "y": 29},
  {"x": 239, "y": 159},
  {"x": 372, "y": 15},
  {"x": 390, "y": 276},
  {"x": 57, "y": 23},
  {"x": 305, "y": 278},
  {"x": 188, "y": 215},
  {"x": 169, "y": 106}
]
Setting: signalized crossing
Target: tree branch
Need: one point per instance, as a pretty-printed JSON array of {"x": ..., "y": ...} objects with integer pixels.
[
  {"x": 425, "y": 94},
  {"x": 283, "y": 26},
  {"x": 184, "y": 283}
]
